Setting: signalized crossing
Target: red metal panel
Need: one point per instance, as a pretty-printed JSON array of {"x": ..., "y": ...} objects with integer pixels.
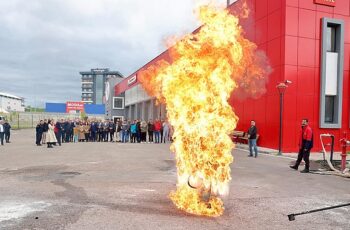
[
  {"x": 291, "y": 73},
  {"x": 274, "y": 52},
  {"x": 261, "y": 9},
  {"x": 273, "y": 5},
  {"x": 274, "y": 25},
  {"x": 307, "y": 4},
  {"x": 261, "y": 31},
  {"x": 292, "y": 17},
  {"x": 292, "y": 3},
  {"x": 317, "y": 82},
  {"x": 307, "y": 23},
  {"x": 291, "y": 50},
  {"x": 323, "y": 8},
  {"x": 305, "y": 108},
  {"x": 306, "y": 52},
  {"x": 306, "y": 80},
  {"x": 272, "y": 103},
  {"x": 274, "y": 78},
  {"x": 342, "y": 7}
]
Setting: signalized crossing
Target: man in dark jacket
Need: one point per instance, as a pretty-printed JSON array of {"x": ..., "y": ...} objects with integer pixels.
[
  {"x": 7, "y": 128},
  {"x": 93, "y": 130},
  {"x": 67, "y": 130},
  {"x": 150, "y": 131},
  {"x": 305, "y": 146},
  {"x": 112, "y": 128},
  {"x": 252, "y": 134},
  {"x": 45, "y": 129},
  {"x": 58, "y": 129},
  {"x": 39, "y": 132}
]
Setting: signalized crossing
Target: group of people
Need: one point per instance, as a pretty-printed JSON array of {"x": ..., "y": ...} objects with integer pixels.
[
  {"x": 5, "y": 131},
  {"x": 52, "y": 132}
]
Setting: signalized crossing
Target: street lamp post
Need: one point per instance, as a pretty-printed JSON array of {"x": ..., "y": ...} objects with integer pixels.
[{"x": 281, "y": 89}]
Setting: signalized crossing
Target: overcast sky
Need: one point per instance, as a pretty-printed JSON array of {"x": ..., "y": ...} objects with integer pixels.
[{"x": 45, "y": 43}]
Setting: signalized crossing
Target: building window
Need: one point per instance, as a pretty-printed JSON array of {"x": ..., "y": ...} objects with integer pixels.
[
  {"x": 329, "y": 109},
  {"x": 331, "y": 42},
  {"x": 118, "y": 103},
  {"x": 332, "y": 68}
]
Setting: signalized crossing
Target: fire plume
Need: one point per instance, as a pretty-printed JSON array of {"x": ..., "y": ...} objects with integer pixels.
[{"x": 206, "y": 67}]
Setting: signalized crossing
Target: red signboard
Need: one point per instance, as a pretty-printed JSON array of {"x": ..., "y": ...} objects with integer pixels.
[
  {"x": 325, "y": 2},
  {"x": 74, "y": 106}
]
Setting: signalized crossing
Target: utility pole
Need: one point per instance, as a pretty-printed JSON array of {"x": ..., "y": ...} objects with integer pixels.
[{"x": 228, "y": 3}]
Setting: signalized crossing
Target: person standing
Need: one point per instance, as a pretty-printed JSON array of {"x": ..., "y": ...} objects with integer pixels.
[
  {"x": 252, "y": 134},
  {"x": 2, "y": 132},
  {"x": 125, "y": 131},
  {"x": 111, "y": 127},
  {"x": 81, "y": 132},
  {"x": 143, "y": 127},
  {"x": 7, "y": 128},
  {"x": 305, "y": 146},
  {"x": 51, "y": 137},
  {"x": 105, "y": 131},
  {"x": 150, "y": 131},
  {"x": 157, "y": 128},
  {"x": 161, "y": 130},
  {"x": 76, "y": 133},
  {"x": 118, "y": 137},
  {"x": 93, "y": 128},
  {"x": 45, "y": 130},
  {"x": 58, "y": 132},
  {"x": 39, "y": 132},
  {"x": 133, "y": 131},
  {"x": 138, "y": 131},
  {"x": 166, "y": 130},
  {"x": 63, "y": 130},
  {"x": 86, "y": 127},
  {"x": 67, "y": 130}
]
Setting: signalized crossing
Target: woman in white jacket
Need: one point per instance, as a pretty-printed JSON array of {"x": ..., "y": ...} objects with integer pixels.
[{"x": 50, "y": 136}]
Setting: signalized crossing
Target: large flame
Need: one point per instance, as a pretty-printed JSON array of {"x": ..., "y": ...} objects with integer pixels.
[{"x": 205, "y": 68}]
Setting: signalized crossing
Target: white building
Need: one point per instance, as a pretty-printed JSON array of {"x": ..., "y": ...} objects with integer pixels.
[{"x": 11, "y": 103}]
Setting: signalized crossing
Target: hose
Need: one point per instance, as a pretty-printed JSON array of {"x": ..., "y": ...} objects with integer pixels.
[{"x": 325, "y": 154}]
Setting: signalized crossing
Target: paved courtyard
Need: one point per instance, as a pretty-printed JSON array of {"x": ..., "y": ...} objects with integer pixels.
[{"x": 125, "y": 186}]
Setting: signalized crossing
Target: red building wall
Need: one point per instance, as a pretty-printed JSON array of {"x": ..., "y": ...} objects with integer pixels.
[{"x": 289, "y": 32}]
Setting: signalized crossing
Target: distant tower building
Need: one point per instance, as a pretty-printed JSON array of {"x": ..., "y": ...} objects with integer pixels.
[{"x": 93, "y": 85}]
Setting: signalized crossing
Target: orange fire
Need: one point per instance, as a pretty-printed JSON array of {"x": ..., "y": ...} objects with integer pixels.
[{"x": 206, "y": 67}]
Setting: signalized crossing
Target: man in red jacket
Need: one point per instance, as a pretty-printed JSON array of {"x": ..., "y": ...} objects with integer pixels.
[
  {"x": 305, "y": 145},
  {"x": 157, "y": 128}
]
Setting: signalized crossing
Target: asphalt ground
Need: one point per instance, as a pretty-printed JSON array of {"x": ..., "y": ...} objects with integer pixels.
[{"x": 126, "y": 186}]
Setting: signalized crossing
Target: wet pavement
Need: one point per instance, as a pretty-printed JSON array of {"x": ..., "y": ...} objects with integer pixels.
[{"x": 125, "y": 186}]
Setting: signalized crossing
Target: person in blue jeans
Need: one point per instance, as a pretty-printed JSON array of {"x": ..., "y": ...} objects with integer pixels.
[
  {"x": 133, "y": 131},
  {"x": 125, "y": 131},
  {"x": 252, "y": 134}
]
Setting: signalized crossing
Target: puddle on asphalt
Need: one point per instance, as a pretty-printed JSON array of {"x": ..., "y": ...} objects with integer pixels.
[{"x": 16, "y": 210}]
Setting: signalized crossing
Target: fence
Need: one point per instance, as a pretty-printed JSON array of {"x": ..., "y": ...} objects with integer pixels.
[{"x": 30, "y": 119}]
